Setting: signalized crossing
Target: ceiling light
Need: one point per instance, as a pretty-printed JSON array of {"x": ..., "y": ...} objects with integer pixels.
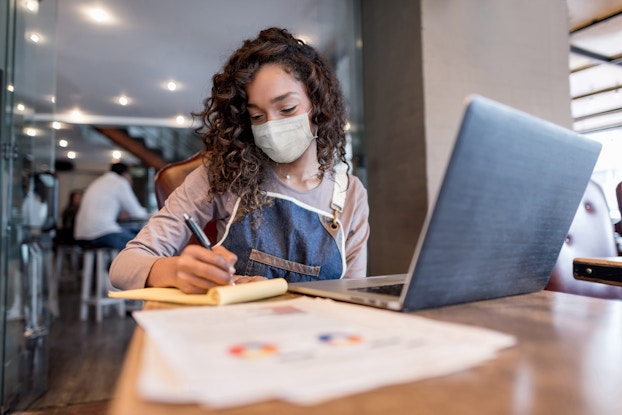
[
  {"x": 306, "y": 39},
  {"x": 10, "y": 88},
  {"x": 99, "y": 15},
  {"x": 72, "y": 155},
  {"x": 34, "y": 37},
  {"x": 63, "y": 143},
  {"x": 76, "y": 114},
  {"x": 180, "y": 119},
  {"x": 123, "y": 100},
  {"x": 31, "y": 132},
  {"x": 20, "y": 107},
  {"x": 56, "y": 125},
  {"x": 32, "y": 6},
  {"x": 171, "y": 86},
  {"x": 116, "y": 155}
]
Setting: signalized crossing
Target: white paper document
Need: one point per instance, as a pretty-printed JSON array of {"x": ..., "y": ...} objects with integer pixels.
[{"x": 304, "y": 350}]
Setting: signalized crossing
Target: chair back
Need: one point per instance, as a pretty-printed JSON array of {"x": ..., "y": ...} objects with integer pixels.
[
  {"x": 169, "y": 177},
  {"x": 590, "y": 235}
]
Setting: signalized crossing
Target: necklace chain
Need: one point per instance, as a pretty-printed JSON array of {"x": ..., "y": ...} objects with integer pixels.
[{"x": 289, "y": 176}]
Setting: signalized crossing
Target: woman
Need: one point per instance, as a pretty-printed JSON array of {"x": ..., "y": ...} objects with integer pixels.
[{"x": 273, "y": 131}]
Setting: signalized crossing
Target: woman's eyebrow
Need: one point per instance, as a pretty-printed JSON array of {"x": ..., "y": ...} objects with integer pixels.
[
  {"x": 275, "y": 99},
  {"x": 282, "y": 97}
]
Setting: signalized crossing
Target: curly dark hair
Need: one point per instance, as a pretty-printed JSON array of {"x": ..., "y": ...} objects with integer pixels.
[{"x": 233, "y": 160}]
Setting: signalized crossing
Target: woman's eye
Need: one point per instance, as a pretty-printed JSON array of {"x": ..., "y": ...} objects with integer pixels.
[
  {"x": 256, "y": 117},
  {"x": 288, "y": 110}
]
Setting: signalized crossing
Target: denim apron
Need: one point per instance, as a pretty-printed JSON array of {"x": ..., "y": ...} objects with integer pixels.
[{"x": 293, "y": 240}]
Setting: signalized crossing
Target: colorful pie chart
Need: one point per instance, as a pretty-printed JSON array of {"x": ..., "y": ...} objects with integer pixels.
[
  {"x": 253, "y": 350},
  {"x": 340, "y": 339}
]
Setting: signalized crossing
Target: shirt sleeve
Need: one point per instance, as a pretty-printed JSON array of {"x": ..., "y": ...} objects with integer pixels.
[
  {"x": 166, "y": 233},
  {"x": 357, "y": 234}
]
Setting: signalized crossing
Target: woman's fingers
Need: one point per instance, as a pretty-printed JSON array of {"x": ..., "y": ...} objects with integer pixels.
[
  {"x": 229, "y": 257},
  {"x": 243, "y": 279},
  {"x": 191, "y": 284},
  {"x": 199, "y": 269}
]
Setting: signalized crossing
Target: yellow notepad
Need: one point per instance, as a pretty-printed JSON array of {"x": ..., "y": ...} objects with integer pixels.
[{"x": 226, "y": 294}]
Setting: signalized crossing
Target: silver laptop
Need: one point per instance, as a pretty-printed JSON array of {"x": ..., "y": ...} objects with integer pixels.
[{"x": 509, "y": 195}]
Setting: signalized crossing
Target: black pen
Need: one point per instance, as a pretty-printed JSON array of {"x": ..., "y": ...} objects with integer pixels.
[
  {"x": 197, "y": 232},
  {"x": 200, "y": 235}
]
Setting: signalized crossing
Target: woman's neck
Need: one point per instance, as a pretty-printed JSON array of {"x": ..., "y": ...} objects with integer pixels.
[
  {"x": 306, "y": 178},
  {"x": 302, "y": 174}
]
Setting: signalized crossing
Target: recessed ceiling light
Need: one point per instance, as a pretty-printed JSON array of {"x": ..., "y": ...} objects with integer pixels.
[
  {"x": 63, "y": 143},
  {"x": 306, "y": 39},
  {"x": 32, "y": 6},
  {"x": 180, "y": 119},
  {"x": 72, "y": 155},
  {"x": 123, "y": 100},
  {"x": 116, "y": 155},
  {"x": 10, "y": 88},
  {"x": 99, "y": 15},
  {"x": 171, "y": 86},
  {"x": 31, "y": 132},
  {"x": 34, "y": 37},
  {"x": 76, "y": 114},
  {"x": 56, "y": 125},
  {"x": 20, "y": 107}
]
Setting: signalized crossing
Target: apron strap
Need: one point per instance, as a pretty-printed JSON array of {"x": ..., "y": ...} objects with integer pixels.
[{"x": 339, "y": 194}]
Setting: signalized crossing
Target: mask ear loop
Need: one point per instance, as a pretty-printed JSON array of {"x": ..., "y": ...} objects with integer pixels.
[{"x": 317, "y": 127}]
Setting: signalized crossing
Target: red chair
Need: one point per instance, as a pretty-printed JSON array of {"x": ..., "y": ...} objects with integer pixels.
[
  {"x": 169, "y": 177},
  {"x": 590, "y": 236}
]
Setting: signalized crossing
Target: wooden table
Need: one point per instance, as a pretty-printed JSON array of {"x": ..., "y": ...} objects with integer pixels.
[{"x": 568, "y": 360}]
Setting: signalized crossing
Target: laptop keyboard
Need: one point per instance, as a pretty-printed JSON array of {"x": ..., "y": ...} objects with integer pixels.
[{"x": 393, "y": 289}]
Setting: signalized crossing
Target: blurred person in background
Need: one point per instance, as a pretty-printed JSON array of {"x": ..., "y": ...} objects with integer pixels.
[{"x": 105, "y": 200}]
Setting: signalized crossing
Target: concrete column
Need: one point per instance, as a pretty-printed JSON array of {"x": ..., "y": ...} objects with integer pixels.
[{"x": 420, "y": 60}]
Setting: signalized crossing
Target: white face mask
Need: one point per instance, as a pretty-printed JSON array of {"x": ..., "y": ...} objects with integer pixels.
[{"x": 284, "y": 140}]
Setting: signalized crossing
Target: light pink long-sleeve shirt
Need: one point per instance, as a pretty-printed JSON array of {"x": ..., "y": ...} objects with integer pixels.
[{"x": 166, "y": 234}]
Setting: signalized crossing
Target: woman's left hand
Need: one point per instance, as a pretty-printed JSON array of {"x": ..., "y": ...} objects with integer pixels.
[{"x": 243, "y": 279}]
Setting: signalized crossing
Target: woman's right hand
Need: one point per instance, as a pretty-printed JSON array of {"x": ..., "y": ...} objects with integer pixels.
[
  {"x": 199, "y": 269},
  {"x": 195, "y": 270}
]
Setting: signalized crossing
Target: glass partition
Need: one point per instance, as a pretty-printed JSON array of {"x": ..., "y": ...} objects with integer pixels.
[{"x": 27, "y": 196}]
